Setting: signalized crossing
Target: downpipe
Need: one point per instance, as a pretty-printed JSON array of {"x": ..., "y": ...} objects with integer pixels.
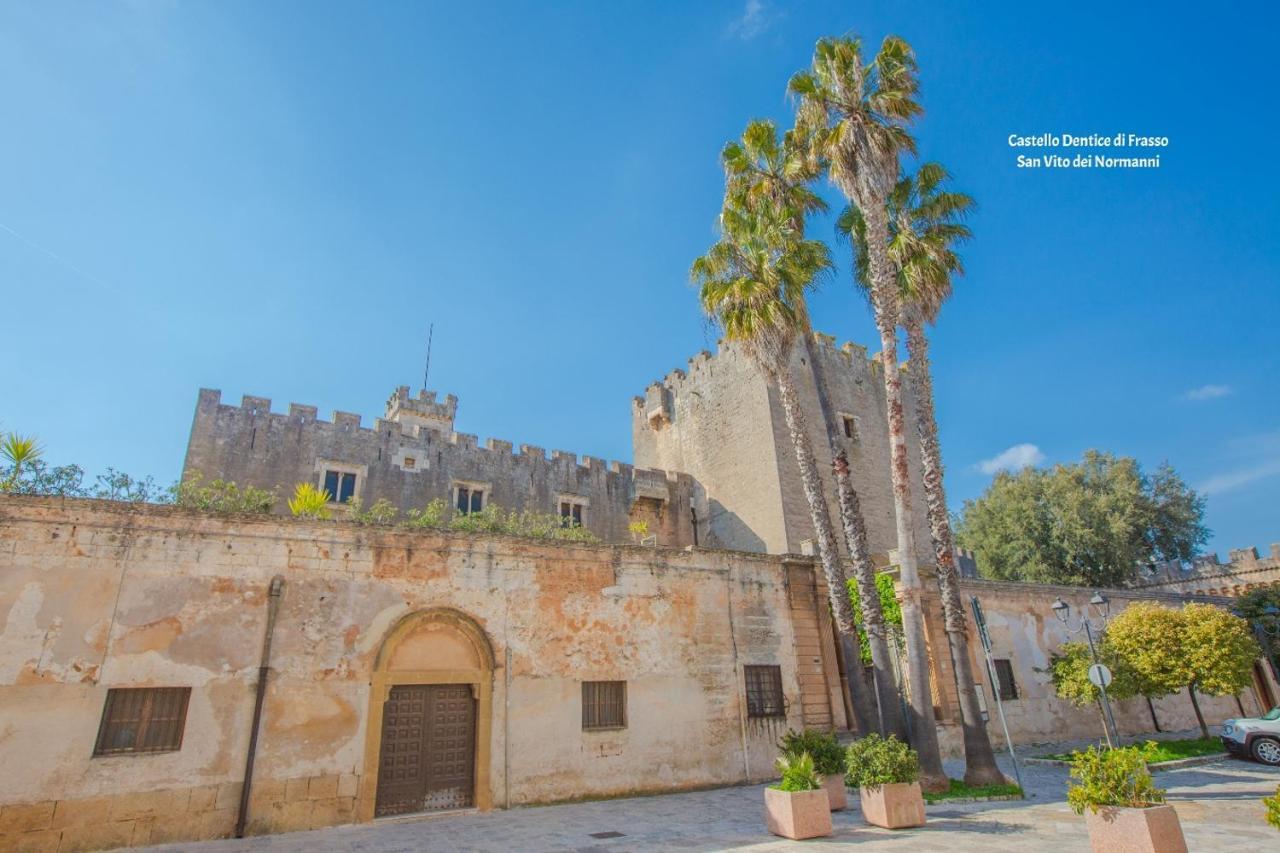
[{"x": 273, "y": 607}]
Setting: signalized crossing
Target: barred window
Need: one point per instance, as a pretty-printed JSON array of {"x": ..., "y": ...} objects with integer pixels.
[
  {"x": 1004, "y": 675},
  {"x": 604, "y": 705},
  {"x": 143, "y": 719},
  {"x": 764, "y": 691}
]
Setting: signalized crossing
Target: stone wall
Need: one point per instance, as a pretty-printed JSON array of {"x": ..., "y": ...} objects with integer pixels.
[
  {"x": 413, "y": 456},
  {"x": 1245, "y": 570},
  {"x": 96, "y": 595},
  {"x": 721, "y": 422}
]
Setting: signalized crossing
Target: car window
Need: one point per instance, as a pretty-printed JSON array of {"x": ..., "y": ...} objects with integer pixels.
[{"x": 1273, "y": 714}]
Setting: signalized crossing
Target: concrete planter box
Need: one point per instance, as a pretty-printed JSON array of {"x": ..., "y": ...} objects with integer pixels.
[
  {"x": 797, "y": 814},
  {"x": 837, "y": 794},
  {"x": 1150, "y": 830},
  {"x": 894, "y": 806}
]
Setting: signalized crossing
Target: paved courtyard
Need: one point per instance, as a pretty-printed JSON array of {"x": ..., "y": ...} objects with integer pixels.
[{"x": 1218, "y": 805}]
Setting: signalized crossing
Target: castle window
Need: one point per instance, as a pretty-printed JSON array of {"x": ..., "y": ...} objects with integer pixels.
[
  {"x": 764, "y": 691},
  {"x": 468, "y": 498},
  {"x": 142, "y": 719},
  {"x": 340, "y": 485},
  {"x": 410, "y": 462},
  {"x": 850, "y": 424},
  {"x": 1004, "y": 676},
  {"x": 571, "y": 512},
  {"x": 604, "y": 705}
]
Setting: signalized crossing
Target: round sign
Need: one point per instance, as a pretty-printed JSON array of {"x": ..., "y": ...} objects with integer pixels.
[{"x": 1099, "y": 675}]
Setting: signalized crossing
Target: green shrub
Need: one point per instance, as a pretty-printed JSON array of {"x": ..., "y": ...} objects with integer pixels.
[
  {"x": 491, "y": 519},
  {"x": 1112, "y": 777},
  {"x": 383, "y": 512},
  {"x": 221, "y": 496},
  {"x": 798, "y": 774},
  {"x": 1273, "y": 808},
  {"x": 309, "y": 502},
  {"x": 828, "y": 754},
  {"x": 874, "y": 761},
  {"x": 430, "y": 516}
]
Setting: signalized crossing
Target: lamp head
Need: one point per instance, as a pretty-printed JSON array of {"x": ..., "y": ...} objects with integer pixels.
[
  {"x": 1100, "y": 601},
  {"x": 1061, "y": 609}
]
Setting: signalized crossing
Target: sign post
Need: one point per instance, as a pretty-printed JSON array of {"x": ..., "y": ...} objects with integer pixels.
[{"x": 981, "y": 622}]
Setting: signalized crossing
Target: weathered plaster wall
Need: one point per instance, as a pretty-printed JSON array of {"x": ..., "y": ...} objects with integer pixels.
[
  {"x": 251, "y": 445},
  {"x": 95, "y": 595},
  {"x": 723, "y": 424},
  {"x": 1025, "y": 631}
]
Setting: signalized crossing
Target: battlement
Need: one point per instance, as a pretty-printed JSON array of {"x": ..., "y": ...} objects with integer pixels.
[{"x": 422, "y": 410}]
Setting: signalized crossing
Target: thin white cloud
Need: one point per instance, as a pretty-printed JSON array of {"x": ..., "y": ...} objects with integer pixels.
[
  {"x": 1255, "y": 457},
  {"x": 1207, "y": 392},
  {"x": 1014, "y": 459},
  {"x": 753, "y": 21}
]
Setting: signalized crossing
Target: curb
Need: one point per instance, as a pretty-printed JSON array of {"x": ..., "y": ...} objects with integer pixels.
[
  {"x": 999, "y": 798},
  {"x": 1180, "y": 763}
]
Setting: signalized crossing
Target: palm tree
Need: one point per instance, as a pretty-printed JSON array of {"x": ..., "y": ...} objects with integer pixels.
[
  {"x": 19, "y": 451},
  {"x": 858, "y": 113},
  {"x": 924, "y": 226},
  {"x": 763, "y": 172},
  {"x": 752, "y": 283}
]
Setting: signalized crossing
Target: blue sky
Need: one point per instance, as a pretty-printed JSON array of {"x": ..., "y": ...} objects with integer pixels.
[{"x": 277, "y": 198}]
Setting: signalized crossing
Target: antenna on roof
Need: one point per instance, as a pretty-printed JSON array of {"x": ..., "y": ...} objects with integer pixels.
[{"x": 427, "y": 371}]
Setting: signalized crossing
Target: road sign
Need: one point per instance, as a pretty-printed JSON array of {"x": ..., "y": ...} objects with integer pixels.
[{"x": 1099, "y": 675}]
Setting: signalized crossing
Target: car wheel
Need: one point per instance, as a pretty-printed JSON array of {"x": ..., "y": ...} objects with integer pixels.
[{"x": 1266, "y": 750}]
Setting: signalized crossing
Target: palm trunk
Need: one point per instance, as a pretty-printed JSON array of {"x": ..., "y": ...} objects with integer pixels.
[
  {"x": 855, "y": 533},
  {"x": 889, "y": 714},
  {"x": 884, "y": 299},
  {"x": 819, "y": 514},
  {"x": 980, "y": 758},
  {"x": 1195, "y": 703}
]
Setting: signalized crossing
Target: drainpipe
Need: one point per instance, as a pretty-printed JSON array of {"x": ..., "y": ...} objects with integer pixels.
[{"x": 273, "y": 607}]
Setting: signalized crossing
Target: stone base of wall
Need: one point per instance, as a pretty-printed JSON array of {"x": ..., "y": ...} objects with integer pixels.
[{"x": 177, "y": 814}]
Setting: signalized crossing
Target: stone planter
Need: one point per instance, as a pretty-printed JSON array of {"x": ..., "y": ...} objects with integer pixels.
[
  {"x": 797, "y": 814},
  {"x": 1150, "y": 830},
  {"x": 837, "y": 794},
  {"x": 894, "y": 806}
]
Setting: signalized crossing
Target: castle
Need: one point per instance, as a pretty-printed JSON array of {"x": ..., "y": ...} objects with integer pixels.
[{"x": 168, "y": 674}]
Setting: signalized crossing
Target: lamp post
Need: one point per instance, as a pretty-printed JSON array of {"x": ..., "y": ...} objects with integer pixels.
[{"x": 1099, "y": 603}]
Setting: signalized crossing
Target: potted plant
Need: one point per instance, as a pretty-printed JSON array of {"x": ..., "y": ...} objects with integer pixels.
[
  {"x": 1126, "y": 810},
  {"x": 828, "y": 761},
  {"x": 797, "y": 807},
  {"x": 885, "y": 770}
]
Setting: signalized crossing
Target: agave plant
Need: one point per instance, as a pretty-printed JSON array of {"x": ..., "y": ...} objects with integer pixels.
[{"x": 310, "y": 502}]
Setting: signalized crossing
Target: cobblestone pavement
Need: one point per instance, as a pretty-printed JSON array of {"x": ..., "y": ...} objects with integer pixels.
[{"x": 1218, "y": 804}]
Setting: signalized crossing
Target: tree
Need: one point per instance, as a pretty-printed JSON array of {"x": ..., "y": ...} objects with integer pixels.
[
  {"x": 763, "y": 173},
  {"x": 1095, "y": 523},
  {"x": 1198, "y": 648},
  {"x": 1069, "y": 670},
  {"x": 1261, "y": 607},
  {"x": 752, "y": 282},
  {"x": 857, "y": 113},
  {"x": 924, "y": 228}
]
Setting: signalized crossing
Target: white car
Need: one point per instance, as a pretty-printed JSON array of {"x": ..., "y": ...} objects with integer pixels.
[{"x": 1256, "y": 737}]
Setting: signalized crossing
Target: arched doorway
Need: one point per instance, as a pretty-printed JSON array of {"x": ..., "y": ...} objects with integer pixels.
[{"x": 430, "y": 713}]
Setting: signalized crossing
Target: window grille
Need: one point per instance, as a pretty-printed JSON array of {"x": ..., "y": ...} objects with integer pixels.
[
  {"x": 764, "y": 692},
  {"x": 604, "y": 705},
  {"x": 142, "y": 719},
  {"x": 1004, "y": 675}
]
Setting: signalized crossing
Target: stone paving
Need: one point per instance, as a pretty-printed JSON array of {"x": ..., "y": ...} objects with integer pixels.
[{"x": 1218, "y": 804}]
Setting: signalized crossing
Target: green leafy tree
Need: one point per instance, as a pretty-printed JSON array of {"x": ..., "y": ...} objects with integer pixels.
[
  {"x": 1261, "y": 607},
  {"x": 1220, "y": 652},
  {"x": 1094, "y": 523},
  {"x": 1069, "y": 671}
]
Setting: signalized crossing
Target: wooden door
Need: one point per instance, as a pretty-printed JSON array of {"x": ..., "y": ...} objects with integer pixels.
[{"x": 427, "y": 760}]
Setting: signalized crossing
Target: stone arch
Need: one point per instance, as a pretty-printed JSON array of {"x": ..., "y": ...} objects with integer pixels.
[{"x": 438, "y": 645}]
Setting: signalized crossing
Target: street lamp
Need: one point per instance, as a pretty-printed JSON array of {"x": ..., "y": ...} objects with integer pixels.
[{"x": 1102, "y": 605}]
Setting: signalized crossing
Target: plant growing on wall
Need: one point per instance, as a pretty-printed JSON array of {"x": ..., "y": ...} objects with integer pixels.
[
  {"x": 430, "y": 516},
  {"x": 827, "y": 753},
  {"x": 1112, "y": 777},
  {"x": 888, "y": 606},
  {"x": 19, "y": 451},
  {"x": 798, "y": 773},
  {"x": 638, "y": 530},
  {"x": 874, "y": 761},
  {"x": 220, "y": 496},
  {"x": 383, "y": 513},
  {"x": 309, "y": 502}
]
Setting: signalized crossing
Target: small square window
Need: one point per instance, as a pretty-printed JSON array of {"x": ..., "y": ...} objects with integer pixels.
[
  {"x": 1004, "y": 676},
  {"x": 340, "y": 485},
  {"x": 469, "y": 499},
  {"x": 764, "y": 691},
  {"x": 604, "y": 705},
  {"x": 410, "y": 462},
  {"x": 850, "y": 423},
  {"x": 142, "y": 719},
  {"x": 570, "y": 514}
]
